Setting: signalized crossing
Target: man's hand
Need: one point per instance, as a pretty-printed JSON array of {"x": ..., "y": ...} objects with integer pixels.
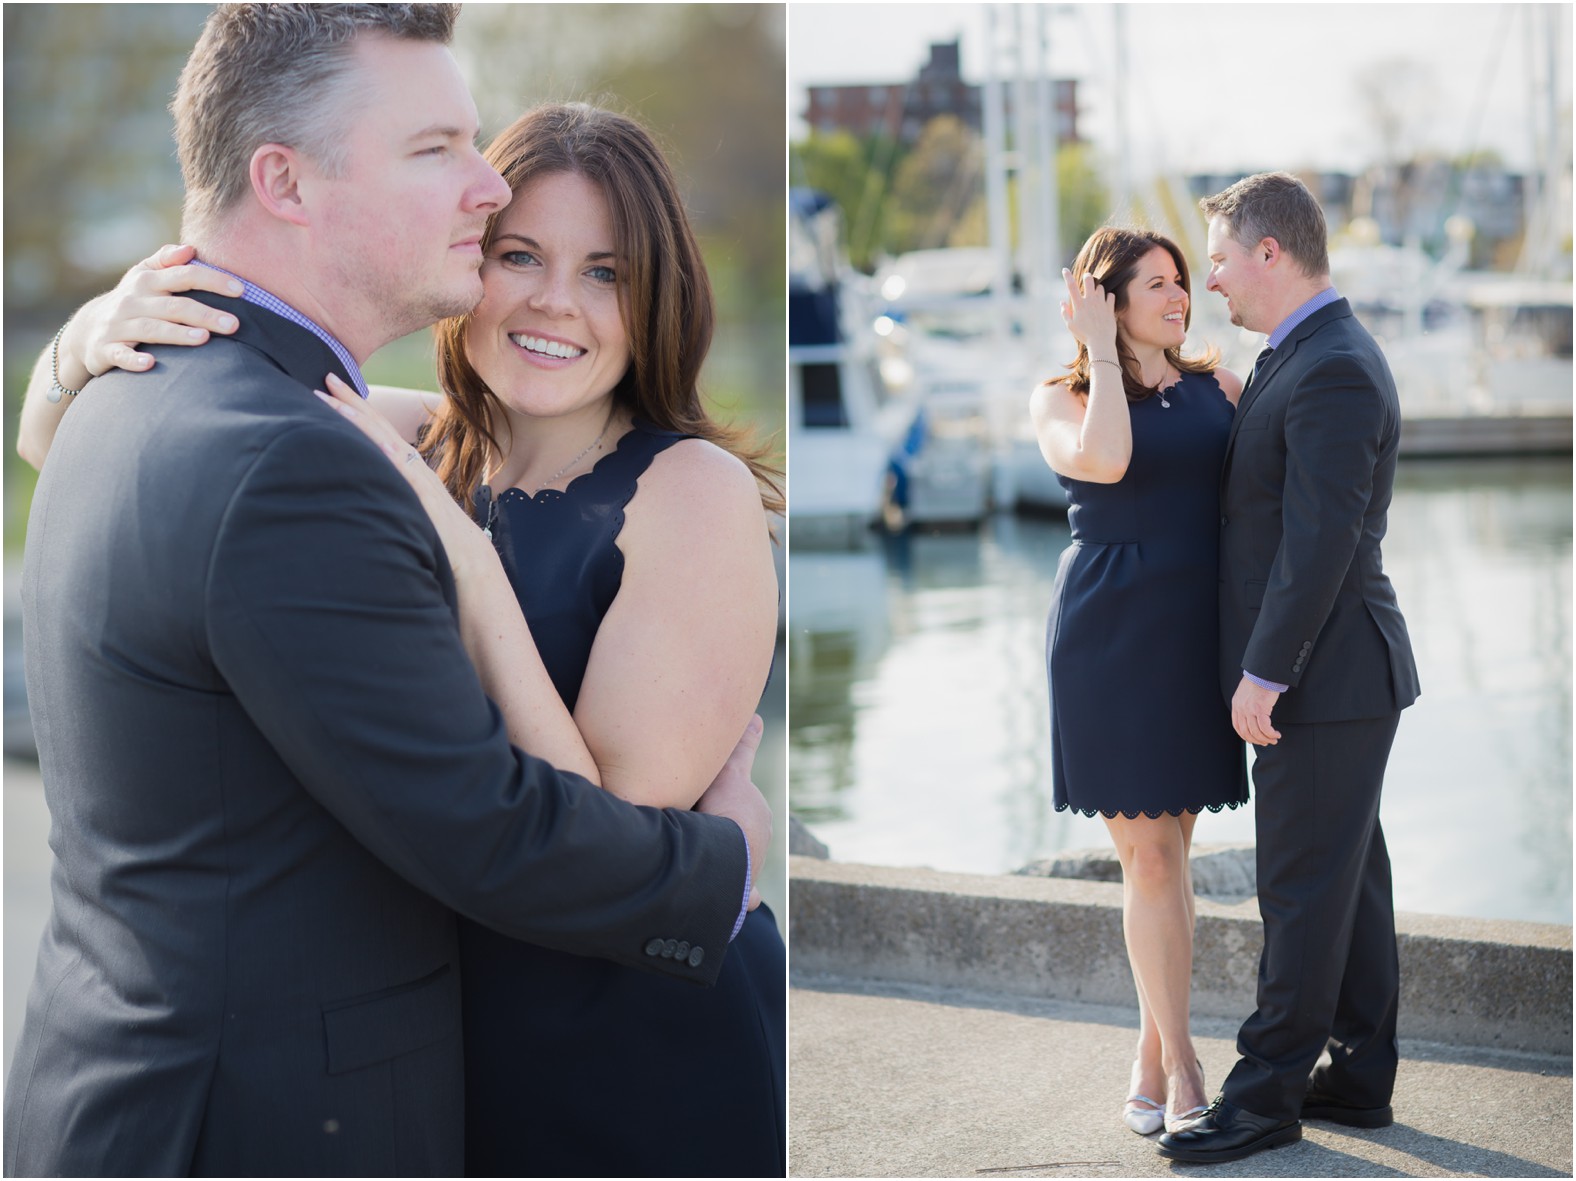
[
  {"x": 733, "y": 795},
  {"x": 1250, "y": 713}
]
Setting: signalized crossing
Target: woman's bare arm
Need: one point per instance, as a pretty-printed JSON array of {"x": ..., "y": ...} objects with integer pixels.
[
  {"x": 494, "y": 631},
  {"x": 680, "y": 660},
  {"x": 103, "y": 334},
  {"x": 683, "y": 654},
  {"x": 1087, "y": 439},
  {"x": 406, "y": 409}
]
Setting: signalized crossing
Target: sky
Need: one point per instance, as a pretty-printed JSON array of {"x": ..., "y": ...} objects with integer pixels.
[{"x": 1222, "y": 87}]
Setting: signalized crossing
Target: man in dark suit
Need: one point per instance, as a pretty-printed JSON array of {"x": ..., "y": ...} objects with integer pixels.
[
  {"x": 1311, "y": 635},
  {"x": 271, "y": 771}
]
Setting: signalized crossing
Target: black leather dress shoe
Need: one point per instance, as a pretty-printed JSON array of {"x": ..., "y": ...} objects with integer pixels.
[
  {"x": 1225, "y": 1133},
  {"x": 1318, "y": 1105}
]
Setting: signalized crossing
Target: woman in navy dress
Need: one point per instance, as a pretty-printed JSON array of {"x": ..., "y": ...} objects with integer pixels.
[
  {"x": 618, "y": 597},
  {"x": 1140, "y": 734}
]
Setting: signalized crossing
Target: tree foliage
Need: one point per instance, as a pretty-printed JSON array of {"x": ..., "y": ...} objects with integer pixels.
[
  {"x": 91, "y": 181},
  {"x": 934, "y": 193},
  {"x": 934, "y": 186}
]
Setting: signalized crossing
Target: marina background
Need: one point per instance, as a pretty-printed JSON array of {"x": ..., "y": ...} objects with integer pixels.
[{"x": 1440, "y": 148}]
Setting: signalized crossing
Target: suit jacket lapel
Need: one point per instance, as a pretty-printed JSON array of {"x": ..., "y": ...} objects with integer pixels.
[{"x": 1335, "y": 311}]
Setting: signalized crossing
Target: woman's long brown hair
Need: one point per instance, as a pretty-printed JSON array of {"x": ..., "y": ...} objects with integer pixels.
[
  {"x": 664, "y": 294},
  {"x": 1112, "y": 256}
]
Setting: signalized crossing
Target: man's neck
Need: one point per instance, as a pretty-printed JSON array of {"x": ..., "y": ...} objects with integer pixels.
[
  {"x": 1290, "y": 299},
  {"x": 297, "y": 285}
]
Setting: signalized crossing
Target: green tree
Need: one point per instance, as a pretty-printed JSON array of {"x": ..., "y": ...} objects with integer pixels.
[
  {"x": 1083, "y": 204},
  {"x": 934, "y": 186},
  {"x": 91, "y": 182},
  {"x": 853, "y": 171}
]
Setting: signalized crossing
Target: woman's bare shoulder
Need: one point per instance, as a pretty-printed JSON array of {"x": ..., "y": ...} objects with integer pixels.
[
  {"x": 694, "y": 470},
  {"x": 1057, "y": 396},
  {"x": 1230, "y": 384},
  {"x": 695, "y": 495}
]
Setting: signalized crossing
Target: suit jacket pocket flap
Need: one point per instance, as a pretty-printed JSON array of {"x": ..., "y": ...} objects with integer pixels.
[
  {"x": 394, "y": 1021},
  {"x": 1255, "y": 422}
]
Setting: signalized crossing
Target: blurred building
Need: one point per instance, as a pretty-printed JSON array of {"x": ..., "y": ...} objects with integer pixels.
[
  {"x": 1413, "y": 202},
  {"x": 900, "y": 110}
]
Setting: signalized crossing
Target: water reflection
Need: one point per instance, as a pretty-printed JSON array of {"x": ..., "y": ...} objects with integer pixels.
[{"x": 919, "y": 732}]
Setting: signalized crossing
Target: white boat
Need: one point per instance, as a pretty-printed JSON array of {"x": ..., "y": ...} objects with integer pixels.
[
  {"x": 837, "y": 457},
  {"x": 1482, "y": 360},
  {"x": 961, "y": 357}
]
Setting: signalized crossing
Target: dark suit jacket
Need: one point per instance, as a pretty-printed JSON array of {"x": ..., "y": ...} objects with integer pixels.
[
  {"x": 1305, "y": 490},
  {"x": 271, "y": 773}
]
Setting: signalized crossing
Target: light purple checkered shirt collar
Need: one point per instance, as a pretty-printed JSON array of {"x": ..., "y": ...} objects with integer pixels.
[
  {"x": 254, "y": 294},
  {"x": 1323, "y": 300}
]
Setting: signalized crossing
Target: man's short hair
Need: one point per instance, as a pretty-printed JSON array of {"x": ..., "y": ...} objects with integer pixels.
[
  {"x": 276, "y": 73},
  {"x": 1275, "y": 205}
]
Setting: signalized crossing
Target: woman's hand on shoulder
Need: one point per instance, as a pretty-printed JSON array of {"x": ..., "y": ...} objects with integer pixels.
[
  {"x": 1230, "y": 385},
  {"x": 104, "y": 333},
  {"x": 683, "y": 654},
  {"x": 146, "y": 307},
  {"x": 465, "y": 544}
]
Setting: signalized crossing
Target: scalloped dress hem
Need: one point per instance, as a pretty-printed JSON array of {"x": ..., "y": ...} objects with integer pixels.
[{"x": 1192, "y": 809}]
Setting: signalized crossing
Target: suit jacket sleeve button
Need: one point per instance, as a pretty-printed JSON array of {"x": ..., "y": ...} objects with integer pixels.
[
  {"x": 695, "y": 956},
  {"x": 654, "y": 947},
  {"x": 682, "y": 950},
  {"x": 669, "y": 947}
]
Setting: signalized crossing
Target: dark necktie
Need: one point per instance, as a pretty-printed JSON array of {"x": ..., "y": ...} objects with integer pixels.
[{"x": 1258, "y": 363}]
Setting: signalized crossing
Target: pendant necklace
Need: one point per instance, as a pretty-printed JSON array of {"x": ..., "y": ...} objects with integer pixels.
[
  {"x": 492, "y": 501},
  {"x": 1161, "y": 392}
]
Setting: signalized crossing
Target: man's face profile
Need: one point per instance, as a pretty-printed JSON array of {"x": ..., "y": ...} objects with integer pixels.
[{"x": 402, "y": 224}]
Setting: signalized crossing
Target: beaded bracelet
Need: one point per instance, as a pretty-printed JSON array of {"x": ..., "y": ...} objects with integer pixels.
[{"x": 56, "y": 390}]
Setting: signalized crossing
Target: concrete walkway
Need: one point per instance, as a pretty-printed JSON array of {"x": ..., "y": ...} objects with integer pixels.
[{"x": 908, "y": 1081}]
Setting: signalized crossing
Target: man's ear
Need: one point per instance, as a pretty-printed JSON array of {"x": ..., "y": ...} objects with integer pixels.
[
  {"x": 276, "y": 173},
  {"x": 1270, "y": 249}
]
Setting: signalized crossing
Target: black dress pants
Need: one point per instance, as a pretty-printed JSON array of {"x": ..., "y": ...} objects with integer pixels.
[{"x": 1329, "y": 977}]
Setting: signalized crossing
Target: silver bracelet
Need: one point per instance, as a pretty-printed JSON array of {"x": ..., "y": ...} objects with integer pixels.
[
  {"x": 1103, "y": 361},
  {"x": 56, "y": 390}
]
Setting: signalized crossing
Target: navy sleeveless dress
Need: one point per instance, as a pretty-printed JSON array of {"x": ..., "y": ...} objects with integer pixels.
[
  {"x": 580, "y": 1067},
  {"x": 1138, "y": 725}
]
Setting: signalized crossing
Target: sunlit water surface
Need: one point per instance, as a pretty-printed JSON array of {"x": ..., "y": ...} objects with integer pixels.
[{"x": 919, "y": 731}]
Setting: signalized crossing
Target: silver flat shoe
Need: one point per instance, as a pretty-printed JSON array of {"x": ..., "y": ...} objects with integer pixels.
[
  {"x": 1139, "y": 1112},
  {"x": 1146, "y": 1120}
]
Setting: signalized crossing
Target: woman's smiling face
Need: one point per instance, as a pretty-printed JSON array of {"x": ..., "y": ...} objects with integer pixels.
[
  {"x": 1157, "y": 303},
  {"x": 548, "y": 337}
]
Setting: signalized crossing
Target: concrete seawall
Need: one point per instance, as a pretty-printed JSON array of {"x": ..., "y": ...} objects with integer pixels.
[{"x": 1469, "y": 982}]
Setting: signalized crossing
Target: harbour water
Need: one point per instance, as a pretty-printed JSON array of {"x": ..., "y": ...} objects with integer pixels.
[{"x": 919, "y": 731}]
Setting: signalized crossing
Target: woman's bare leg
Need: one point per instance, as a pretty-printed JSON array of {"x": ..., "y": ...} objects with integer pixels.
[{"x": 1157, "y": 922}]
